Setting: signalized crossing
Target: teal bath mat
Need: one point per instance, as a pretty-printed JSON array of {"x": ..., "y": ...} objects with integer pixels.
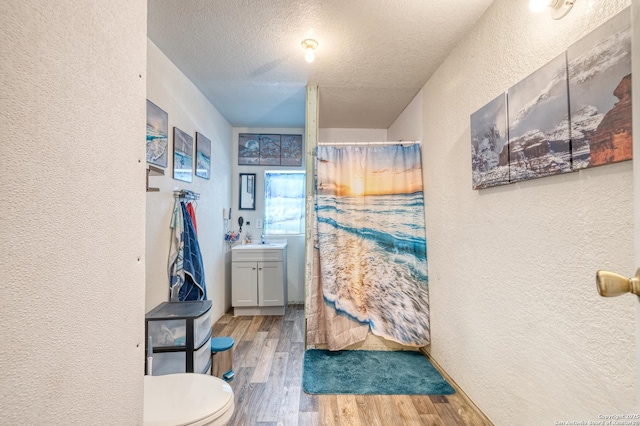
[{"x": 371, "y": 373}]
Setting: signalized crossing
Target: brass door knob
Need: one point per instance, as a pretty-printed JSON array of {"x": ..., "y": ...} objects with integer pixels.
[{"x": 610, "y": 284}]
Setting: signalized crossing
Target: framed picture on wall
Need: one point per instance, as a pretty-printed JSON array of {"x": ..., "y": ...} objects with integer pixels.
[
  {"x": 157, "y": 135},
  {"x": 203, "y": 156},
  {"x": 248, "y": 149},
  {"x": 538, "y": 114},
  {"x": 269, "y": 150},
  {"x": 291, "y": 150},
  {"x": 247, "y": 194},
  {"x": 600, "y": 94},
  {"x": 182, "y": 156},
  {"x": 489, "y": 149}
]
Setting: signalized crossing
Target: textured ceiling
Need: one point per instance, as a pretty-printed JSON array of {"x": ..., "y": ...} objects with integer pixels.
[{"x": 373, "y": 55}]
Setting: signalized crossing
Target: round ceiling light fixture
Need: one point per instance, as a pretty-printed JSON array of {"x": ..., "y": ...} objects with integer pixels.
[
  {"x": 310, "y": 46},
  {"x": 559, "y": 8}
]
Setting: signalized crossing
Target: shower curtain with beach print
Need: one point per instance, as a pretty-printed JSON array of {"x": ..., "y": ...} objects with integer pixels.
[{"x": 371, "y": 239}]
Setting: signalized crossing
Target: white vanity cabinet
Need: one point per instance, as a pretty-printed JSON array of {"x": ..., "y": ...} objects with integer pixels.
[{"x": 259, "y": 279}]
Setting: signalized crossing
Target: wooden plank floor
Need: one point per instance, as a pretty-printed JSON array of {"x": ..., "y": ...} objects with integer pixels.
[{"x": 267, "y": 361}]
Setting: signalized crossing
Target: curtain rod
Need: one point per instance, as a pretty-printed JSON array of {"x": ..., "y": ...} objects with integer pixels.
[{"x": 367, "y": 143}]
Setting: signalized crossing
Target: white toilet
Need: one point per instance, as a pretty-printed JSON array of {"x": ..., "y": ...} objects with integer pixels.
[{"x": 187, "y": 399}]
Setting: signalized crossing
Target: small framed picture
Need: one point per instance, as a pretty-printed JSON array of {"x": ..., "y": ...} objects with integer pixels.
[
  {"x": 203, "y": 156},
  {"x": 157, "y": 135},
  {"x": 182, "y": 156}
]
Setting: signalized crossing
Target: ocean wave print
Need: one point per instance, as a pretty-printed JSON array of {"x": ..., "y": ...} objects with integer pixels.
[{"x": 374, "y": 263}]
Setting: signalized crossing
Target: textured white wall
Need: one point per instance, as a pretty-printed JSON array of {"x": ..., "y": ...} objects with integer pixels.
[
  {"x": 72, "y": 189},
  {"x": 515, "y": 316},
  {"x": 191, "y": 112},
  {"x": 635, "y": 60},
  {"x": 295, "y": 243},
  {"x": 351, "y": 135},
  {"x": 408, "y": 126}
]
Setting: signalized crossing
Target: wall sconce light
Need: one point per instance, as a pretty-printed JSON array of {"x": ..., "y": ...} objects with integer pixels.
[
  {"x": 559, "y": 8},
  {"x": 310, "y": 45}
]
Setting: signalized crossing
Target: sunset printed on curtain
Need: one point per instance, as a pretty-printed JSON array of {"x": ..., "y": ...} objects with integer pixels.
[{"x": 371, "y": 238}]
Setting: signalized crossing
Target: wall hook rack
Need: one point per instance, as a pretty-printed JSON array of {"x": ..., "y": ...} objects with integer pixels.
[{"x": 186, "y": 194}]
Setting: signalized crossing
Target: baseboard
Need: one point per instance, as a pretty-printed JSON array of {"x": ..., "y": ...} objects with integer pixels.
[
  {"x": 453, "y": 383},
  {"x": 258, "y": 310}
]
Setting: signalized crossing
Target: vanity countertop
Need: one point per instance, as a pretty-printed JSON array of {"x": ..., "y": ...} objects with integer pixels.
[{"x": 259, "y": 246}]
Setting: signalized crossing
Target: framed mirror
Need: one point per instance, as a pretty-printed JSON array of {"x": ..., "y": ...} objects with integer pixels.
[{"x": 247, "y": 191}]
